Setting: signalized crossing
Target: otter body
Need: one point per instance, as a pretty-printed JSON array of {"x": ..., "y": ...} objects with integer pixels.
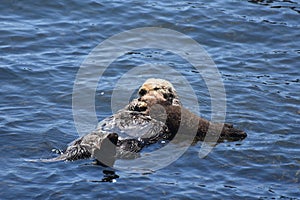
[{"x": 156, "y": 115}]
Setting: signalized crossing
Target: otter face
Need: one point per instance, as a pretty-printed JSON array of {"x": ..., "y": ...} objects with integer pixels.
[
  {"x": 152, "y": 92},
  {"x": 155, "y": 91}
]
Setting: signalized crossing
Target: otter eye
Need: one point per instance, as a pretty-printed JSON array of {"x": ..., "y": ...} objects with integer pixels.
[
  {"x": 156, "y": 88},
  {"x": 142, "y": 92}
]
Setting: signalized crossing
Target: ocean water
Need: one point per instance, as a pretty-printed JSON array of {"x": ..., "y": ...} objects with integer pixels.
[{"x": 254, "y": 44}]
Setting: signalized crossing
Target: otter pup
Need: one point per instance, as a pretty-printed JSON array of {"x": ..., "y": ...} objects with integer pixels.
[{"x": 156, "y": 115}]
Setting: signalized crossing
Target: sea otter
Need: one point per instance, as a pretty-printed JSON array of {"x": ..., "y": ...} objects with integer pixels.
[{"x": 156, "y": 115}]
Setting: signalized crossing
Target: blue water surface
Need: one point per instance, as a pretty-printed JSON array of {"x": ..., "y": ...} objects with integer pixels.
[{"x": 255, "y": 45}]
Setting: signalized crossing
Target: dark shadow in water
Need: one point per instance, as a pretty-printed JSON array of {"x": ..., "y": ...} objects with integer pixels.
[
  {"x": 108, "y": 176},
  {"x": 279, "y": 4},
  {"x": 261, "y": 2}
]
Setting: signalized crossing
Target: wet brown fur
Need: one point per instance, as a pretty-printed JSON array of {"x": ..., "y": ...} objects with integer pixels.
[{"x": 159, "y": 107}]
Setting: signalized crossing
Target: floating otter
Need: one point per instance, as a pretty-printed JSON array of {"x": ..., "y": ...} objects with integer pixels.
[{"x": 156, "y": 115}]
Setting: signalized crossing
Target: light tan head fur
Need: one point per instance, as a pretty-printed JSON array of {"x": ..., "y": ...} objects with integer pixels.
[{"x": 156, "y": 91}]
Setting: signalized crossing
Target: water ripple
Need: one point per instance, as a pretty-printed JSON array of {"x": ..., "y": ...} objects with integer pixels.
[{"x": 254, "y": 44}]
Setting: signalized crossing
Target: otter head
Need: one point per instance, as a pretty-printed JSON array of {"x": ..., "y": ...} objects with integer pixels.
[
  {"x": 153, "y": 92},
  {"x": 158, "y": 91}
]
